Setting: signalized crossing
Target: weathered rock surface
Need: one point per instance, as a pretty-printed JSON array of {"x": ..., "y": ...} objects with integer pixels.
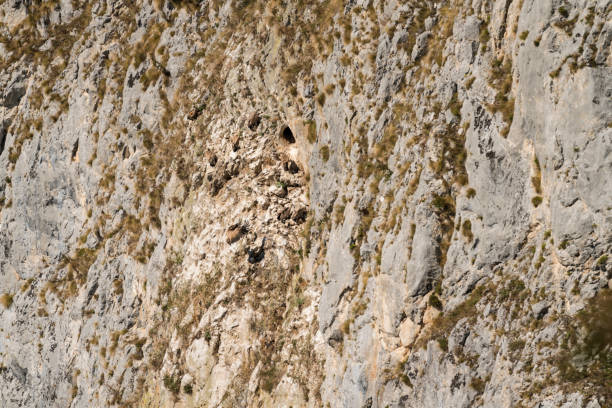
[{"x": 286, "y": 204}]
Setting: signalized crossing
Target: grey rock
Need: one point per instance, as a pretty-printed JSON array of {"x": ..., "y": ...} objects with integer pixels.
[
  {"x": 420, "y": 47},
  {"x": 133, "y": 144}
]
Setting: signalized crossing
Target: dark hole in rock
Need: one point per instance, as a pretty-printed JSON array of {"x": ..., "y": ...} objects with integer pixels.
[
  {"x": 288, "y": 135},
  {"x": 75, "y": 149},
  {"x": 213, "y": 160},
  {"x": 300, "y": 216},
  {"x": 2, "y": 138},
  {"x": 291, "y": 167},
  {"x": 256, "y": 254},
  {"x": 126, "y": 152},
  {"x": 285, "y": 214}
]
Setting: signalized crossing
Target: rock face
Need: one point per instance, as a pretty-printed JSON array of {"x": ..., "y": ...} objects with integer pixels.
[{"x": 302, "y": 204}]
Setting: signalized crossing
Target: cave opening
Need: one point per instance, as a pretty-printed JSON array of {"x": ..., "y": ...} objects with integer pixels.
[{"x": 287, "y": 135}]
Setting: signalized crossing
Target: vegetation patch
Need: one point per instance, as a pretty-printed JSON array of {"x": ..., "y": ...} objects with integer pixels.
[
  {"x": 6, "y": 300},
  {"x": 536, "y": 201},
  {"x": 466, "y": 230},
  {"x": 500, "y": 78},
  {"x": 172, "y": 383},
  {"x": 536, "y": 180},
  {"x": 442, "y": 326},
  {"x": 324, "y": 151},
  {"x": 511, "y": 290},
  {"x": 312, "y": 131},
  {"x": 435, "y": 302},
  {"x": 585, "y": 360}
]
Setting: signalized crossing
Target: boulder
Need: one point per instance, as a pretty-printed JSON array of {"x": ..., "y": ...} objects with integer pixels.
[
  {"x": 254, "y": 121},
  {"x": 408, "y": 332},
  {"x": 234, "y": 233}
]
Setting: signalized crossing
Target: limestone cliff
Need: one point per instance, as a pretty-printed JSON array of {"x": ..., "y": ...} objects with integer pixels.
[{"x": 304, "y": 203}]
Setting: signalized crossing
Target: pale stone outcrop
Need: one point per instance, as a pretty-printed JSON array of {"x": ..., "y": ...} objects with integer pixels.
[{"x": 344, "y": 204}]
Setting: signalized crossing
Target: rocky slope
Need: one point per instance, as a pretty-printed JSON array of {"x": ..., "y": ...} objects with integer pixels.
[{"x": 368, "y": 203}]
